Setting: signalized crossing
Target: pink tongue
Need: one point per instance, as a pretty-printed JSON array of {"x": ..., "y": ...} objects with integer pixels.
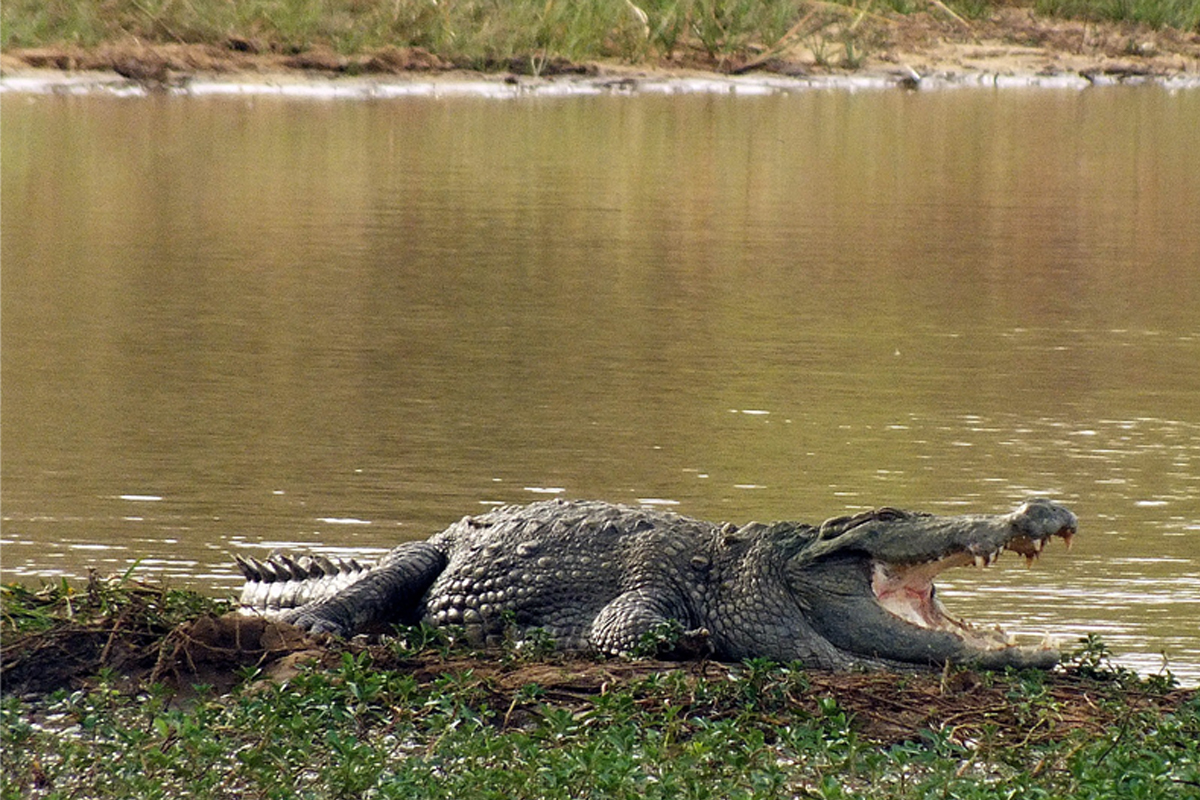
[{"x": 911, "y": 602}]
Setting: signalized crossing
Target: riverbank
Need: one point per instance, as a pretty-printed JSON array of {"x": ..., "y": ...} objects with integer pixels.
[
  {"x": 121, "y": 689},
  {"x": 829, "y": 45}
]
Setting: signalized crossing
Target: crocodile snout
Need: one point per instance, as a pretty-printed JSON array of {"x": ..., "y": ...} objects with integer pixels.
[{"x": 1036, "y": 521}]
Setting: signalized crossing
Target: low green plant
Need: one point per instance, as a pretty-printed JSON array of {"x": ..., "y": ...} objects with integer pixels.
[
  {"x": 25, "y": 609},
  {"x": 370, "y": 725},
  {"x": 1182, "y": 14},
  {"x": 662, "y": 638},
  {"x": 355, "y": 730}
]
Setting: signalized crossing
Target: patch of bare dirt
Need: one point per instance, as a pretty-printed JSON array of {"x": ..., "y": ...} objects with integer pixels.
[
  {"x": 1016, "y": 41},
  {"x": 1013, "y": 41}
]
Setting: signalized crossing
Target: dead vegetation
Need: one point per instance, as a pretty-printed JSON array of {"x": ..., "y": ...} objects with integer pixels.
[
  {"x": 829, "y": 39},
  {"x": 134, "y": 635}
]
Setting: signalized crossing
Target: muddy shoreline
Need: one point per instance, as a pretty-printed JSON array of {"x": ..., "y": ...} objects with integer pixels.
[{"x": 1014, "y": 47}]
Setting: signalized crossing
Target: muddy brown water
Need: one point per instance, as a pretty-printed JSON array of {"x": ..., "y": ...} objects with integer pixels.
[{"x": 235, "y": 324}]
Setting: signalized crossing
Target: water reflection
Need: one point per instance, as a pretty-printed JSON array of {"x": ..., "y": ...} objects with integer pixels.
[{"x": 255, "y": 324}]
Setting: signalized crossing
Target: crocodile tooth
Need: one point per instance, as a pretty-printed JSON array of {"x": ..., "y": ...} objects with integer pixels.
[
  {"x": 1067, "y": 537},
  {"x": 981, "y": 561},
  {"x": 1039, "y": 544}
]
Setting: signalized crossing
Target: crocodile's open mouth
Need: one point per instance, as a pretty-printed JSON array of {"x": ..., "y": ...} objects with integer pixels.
[{"x": 907, "y": 591}]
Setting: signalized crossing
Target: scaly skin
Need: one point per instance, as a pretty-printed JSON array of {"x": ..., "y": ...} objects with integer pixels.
[{"x": 597, "y": 576}]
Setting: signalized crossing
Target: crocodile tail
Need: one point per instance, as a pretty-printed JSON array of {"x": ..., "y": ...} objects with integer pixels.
[
  {"x": 282, "y": 582},
  {"x": 389, "y": 593}
]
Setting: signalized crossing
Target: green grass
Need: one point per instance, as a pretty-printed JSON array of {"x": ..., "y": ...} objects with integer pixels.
[
  {"x": 357, "y": 731},
  {"x": 464, "y": 29},
  {"x": 490, "y": 32},
  {"x": 1182, "y": 14},
  {"x": 24, "y": 610},
  {"x": 419, "y": 717}
]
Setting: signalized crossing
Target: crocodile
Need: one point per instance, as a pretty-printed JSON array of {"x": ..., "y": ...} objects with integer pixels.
[{"x": 853, "y": 592}]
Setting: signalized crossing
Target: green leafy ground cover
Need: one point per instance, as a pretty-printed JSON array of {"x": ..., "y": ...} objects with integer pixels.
[{"x": 419, "y": 716}]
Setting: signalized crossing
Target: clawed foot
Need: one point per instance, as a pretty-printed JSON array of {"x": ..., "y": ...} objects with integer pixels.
[
  {"x": 314, "y": 623},
  {"x": 693, "y": 645}
]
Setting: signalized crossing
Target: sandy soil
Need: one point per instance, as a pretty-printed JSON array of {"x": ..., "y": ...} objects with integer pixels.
[{"x": 910, "y": 50}]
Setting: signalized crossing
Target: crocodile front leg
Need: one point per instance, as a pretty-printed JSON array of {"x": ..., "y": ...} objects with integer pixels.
[{"x": 622, "y": 625}]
